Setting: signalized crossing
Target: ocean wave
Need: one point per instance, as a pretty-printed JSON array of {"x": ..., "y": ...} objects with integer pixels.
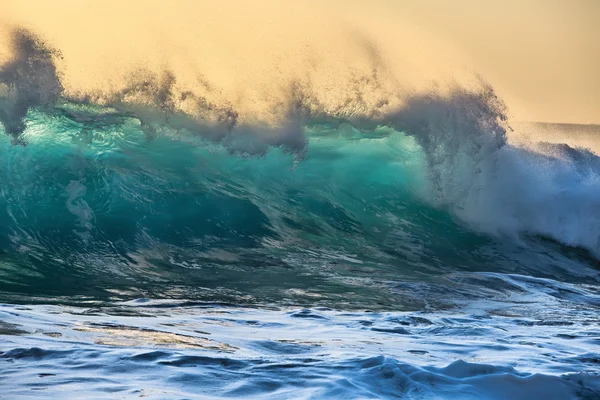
[{"x": 137, "y": 180}]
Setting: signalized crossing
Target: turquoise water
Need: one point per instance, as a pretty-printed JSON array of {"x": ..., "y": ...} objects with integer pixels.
[{"x": 101, "y": 210}]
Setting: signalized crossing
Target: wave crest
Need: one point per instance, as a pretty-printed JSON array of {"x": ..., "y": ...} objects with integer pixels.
[{"x": 472, "y": 170}]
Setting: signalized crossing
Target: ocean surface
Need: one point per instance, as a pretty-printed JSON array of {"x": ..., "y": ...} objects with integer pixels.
[{"x": 424, "y": 253}]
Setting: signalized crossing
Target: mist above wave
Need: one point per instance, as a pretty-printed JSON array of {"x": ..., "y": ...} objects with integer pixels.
[
  {"x": 30, "y": 79},
  {"x": 472, "y": 170}
]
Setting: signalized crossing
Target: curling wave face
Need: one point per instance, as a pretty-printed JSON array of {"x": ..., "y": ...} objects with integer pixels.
[{"x": 96, "y": 206}]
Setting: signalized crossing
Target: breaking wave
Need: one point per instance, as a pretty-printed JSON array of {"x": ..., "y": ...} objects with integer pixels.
[{"x": 151, "y": 175}]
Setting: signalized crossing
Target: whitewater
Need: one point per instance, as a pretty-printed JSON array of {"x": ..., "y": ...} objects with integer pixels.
[{"x": 158, "y": 242}]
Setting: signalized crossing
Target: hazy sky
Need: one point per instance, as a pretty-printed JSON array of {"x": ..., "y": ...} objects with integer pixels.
[
  {"x": 542, "y": 56},
  {"x": 545, "y": 54}
]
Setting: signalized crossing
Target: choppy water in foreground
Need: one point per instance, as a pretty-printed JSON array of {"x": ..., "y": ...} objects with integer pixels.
[{"x": 173, "y": 350}]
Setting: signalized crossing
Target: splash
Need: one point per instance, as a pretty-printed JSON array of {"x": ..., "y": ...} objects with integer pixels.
[
  {"x": 29, "y": 79},
  {"x": 496, "y": 187}
]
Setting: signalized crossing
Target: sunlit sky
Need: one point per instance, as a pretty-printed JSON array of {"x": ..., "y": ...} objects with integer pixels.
[{"x": 542, "y": 56}]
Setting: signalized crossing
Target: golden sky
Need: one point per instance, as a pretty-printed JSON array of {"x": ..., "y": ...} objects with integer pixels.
[{"x": 542, "y": 56}]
